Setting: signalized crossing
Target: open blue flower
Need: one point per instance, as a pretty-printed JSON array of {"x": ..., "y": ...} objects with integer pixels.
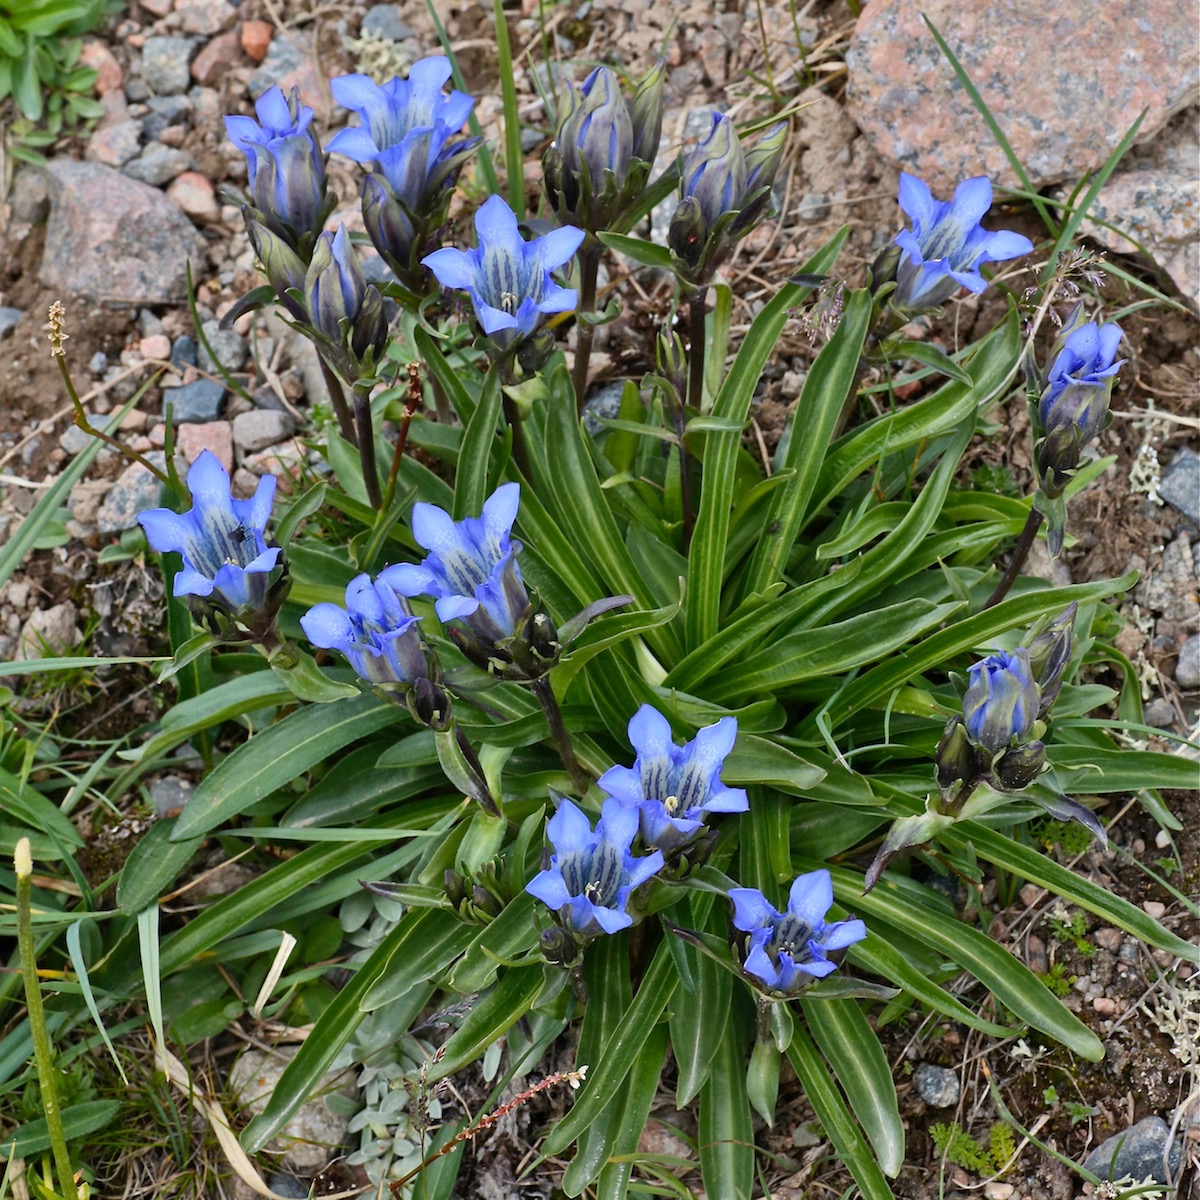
[
  {"x": 946, "y": 245},
  {"x": 785, "y": 951},
  {"x": 591, "y": 873},
  {"x": 375, "y": 632},
  {"x": 221, "y": 539},
  {"x": 1002, "y": 700},
  {"x": 674, "y": 787},
  {"x": 1080, "y": 379},
  {"x": 471, "y": 569},
  {"x": 507, "y": 278},
  {"x": 283, "y": 158}
]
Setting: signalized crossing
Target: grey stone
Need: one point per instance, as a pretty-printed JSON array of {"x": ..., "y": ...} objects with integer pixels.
[
  {"x": 8, "y": 319},
  {"x": 228, "y": 345},
  {"x": 384, "y": 21},
  {"x": 170, "y": 793},
  {"x": 315, "y": 1133},
  {"x": 183, "y": 351},
  {"x": 531, "y": 139},
  {"x": 172, "y": 109},
  {"x": 1138, "y": 1153},
  {"x": 48, "y": 632},
  {"x": 114, "y": 238},
  {"x": 937, "y": 1086},
  {"x": 288, "y": 1186},
  {"x": 1187, "y": 669},
  {"x": 135, "y": 490},
  {"x": 1171, "y": 589},
  {"x": 159, "y": 164},
  {"x": 98, "y": 363},
  {"x": 282, "y": 59},
  {"x": 165, "y": 62},
  {"x": 116, "y": 144},
  {"x": 197, "y": 401},
  {"x": 73, "y": 439},
  {"x": 1161, "y": 713},
  {"x": 261, "y": 428},
  {"x": 30, "y": 195},
  {"x": 604, "y": 404},
  {"x": 1180, "y": 486}
]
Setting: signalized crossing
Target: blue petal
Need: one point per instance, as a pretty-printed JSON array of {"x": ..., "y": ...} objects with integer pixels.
[
  {"x": 243, "y": 132},
  {"x": 435, "y": 529},
  {"x": 639, "y": 870},
  {"x": 256, "y": 511},
  {"x": 190, "y": 582},
  {"x": 328, "y": 626},
  {"x": 555, "y": 248},
  {"x": 430, "y": 74},
  {"x": 569, "y": 829},
  {"x": 908, "y": 242},
  {"x": 453, "y": 268},
  {"x": 810, "y": 897},
  {"x": 557, "y": 299},
  {"x": 273, "y": 111},
  {"x": 231, "y": 582},
  {"x": 841, "y": 934},
  {"x": 816, "y": 967},
  {"x": 549, "y": 888},
  {"x": 618, "y": 823},
  {"x": 1110, "y": 339},
  {"x": 758, "y": 963},
  {"x": 1001, "y": 246},
  {"x": 409, "y": 579},
  {"x": 449, "y": 607},
  {"x": 751, "y": 910},
  {"x": 916, "y": 200},
  {"x": 611, "y": 920},
  {"x": 359, "y": 93},
  {"x": 623, "y": 784},
  {"x": 166, "y": 531},
  {"x": 355, "y": 143},
  {"x": 499, "y": 513},
  {"x": 496, "y": 227},
  {"x": 208, "y": 481},
  {"x": 456, "y": 110},
  {"x": 491, "y": 319},
  {"x": 972, "y": 199}
]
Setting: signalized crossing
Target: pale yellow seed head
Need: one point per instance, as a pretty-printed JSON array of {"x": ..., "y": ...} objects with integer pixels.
[{"x": 23, "y": 859}]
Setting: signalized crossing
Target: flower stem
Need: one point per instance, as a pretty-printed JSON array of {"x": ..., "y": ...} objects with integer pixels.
[
  {"x": 43, "y": 1056},
  {"x": 1032, "y": 524},
  {"x": 366, "y": 443},
  {"x": 585, "y": 332},
  {"x": 554, "y": 718},
  {"x": 337, "y": 397},
  {"x": 486, "y": 800},
  {"x": 695, "y": 398},
  {"x": 410, "y": 406}
]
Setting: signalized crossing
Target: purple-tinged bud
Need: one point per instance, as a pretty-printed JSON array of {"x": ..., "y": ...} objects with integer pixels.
[
  {"x": 597, "y": 135},
  {"x": 688, "y": 233},
  {"x": 957, "y": 760},
  {"x": 1001, "y": 704},
  {"x": 1019, "y": 767},
  {"x": 336, "y": 290},
  {"x": 646, "y": 113},
  {"x": 1050, "y": 655},
  {"x": 714, "y": 174},
  {"x": 764, "y": 157},
  {"x": 283, "y": 267},
  {"x": 388, "y": 225}
]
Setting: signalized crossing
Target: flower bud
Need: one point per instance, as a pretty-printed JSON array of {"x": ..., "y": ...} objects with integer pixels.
[
  {"x": 764, "y": 157},
  {"x": 456, "y": 891},
  {"x": 688, "y": 233},
  {"x": 388, "y": 225},
  {"x": 1001, "y": 704},
  {"x": 1019, "y": 767},
  {"x": 558, "y": 946},
  {"x": 281, "y": 264},
  {"x": 957, "y": 760},
  {"x": 1057, "y": 456},
  {"x": 1079, "y": 381},
  {"x": 714, "y": 175},
  {"x": 646, "y": 113},
  {"x": 1050, "y": 655},
  {"x": 337, "y": 291},
  {"x": 597, "y": 135}
]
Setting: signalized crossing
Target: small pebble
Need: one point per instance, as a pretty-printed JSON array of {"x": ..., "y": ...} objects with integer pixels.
[
  {"x": 1105, "y": 1005},
  {"x": 1154, "y": 909},
  {"x": 256, "y": 39},
  {"x": 1030, "y": 894},
  {"x": 157, "y": 345},
  {"x": 997, "y": 1190},
  {"x": 195, "y": 195},
  {"x": 1108, "y": 939},
  {"x": 1162, "y": 839},
  {"x": 937, "y": 1086}
]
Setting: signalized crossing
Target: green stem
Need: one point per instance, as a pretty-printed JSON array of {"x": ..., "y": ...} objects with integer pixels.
[
  {"x": 695, "y": 400},
  {"x": 337, "y": 397},
  {"x": 585, "y": 332},
  {"x": 366, "y": 443},
  {"x": 1028, "y": 535},
  {"x": 558, "y": 727},
  {"x": 42, "y": 1053}
]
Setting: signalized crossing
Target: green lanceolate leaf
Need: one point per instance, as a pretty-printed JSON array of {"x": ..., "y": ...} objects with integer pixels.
[
  {"x": 435, "y": 939},
  {"x": 511, "y": 935},
  {"x": 699, "y": 1015},
  {"x": 762, "y": 1079},
  {"x": 277, "y": 756},
  {"x": 155, "y": 863},
  {"x": 826, "y": 391},
  {"x": 707, "y": 557},
  {"x": 852, "y": 1049},
  {"x": 78, "y": 1120},
  {"x": 726, "y": 1131},
  {"x": 835, "y": 1118},
  {"x": 471, "y": 477},
  {"x": 646, "y": 253}
]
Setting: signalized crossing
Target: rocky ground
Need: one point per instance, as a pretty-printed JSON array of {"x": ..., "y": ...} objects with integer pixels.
[{"x": 109, "y": 223}]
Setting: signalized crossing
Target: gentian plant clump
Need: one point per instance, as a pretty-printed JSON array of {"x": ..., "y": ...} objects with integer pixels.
[{"x": 649, "y": 736}]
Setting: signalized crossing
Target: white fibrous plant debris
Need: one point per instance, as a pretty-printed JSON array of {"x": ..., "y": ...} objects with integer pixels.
[
  {"x": 1145, "y": 476},
  {"x": 1176, "y": 1014}
]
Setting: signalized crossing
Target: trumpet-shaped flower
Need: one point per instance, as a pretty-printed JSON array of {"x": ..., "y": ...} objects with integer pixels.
[
  {"x": 375, "y": 632},
  {"x": 1080, "y": 380},
  {"x": 221, "y": 539},
  {"x": 471, "y": 569},
  {"x": 405, "y": 126},
  {"x": 674, "y": 787},
  {"x": 787, "y": 950},
  {"x": 946, "y": 245},
  {"x": 284, "y": 161},
  {"x": 592, "y": 872},
  {"x": 1002, "y": 700},
  {"x": 507, "y": 278}
]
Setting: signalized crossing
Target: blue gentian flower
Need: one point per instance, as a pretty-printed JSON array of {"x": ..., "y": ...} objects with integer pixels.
[
  {"x": 375, "y": 632},
  {"x": 946, "y": 245},
  {"x": 786, "y": 951},
  {"x": 596, "y": 133},
  {"x": 674, "y": 787},
  {"x": 471, "y": 569},
  {"x": 284, "y": 160},
  {"x": 591, "y": 873},
  {"x": 406, "y": 124},
  {"x": 1080, "y": 379},
  {"x": 225, "y": 556},
  {"x": 1002, "y": 701},
  {"x": 507, "y": 278},
  {"x": 336, "y": 290}
]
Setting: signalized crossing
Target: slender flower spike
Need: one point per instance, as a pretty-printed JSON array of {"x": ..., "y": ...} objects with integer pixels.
[
  {"x": 471, "y": 569},
  {"x": 225, "y": 556},
  {"x": 285, "y": 164},
  {"x": 592, "y": 873},
  {"x": 1073, "y": 407},
  {"x": 375, "y": 632},
  {"x": 507, "y": 278},
  {"x": 1002, "y": 701},
  {"x": 786, "y": 951},
  {"x": 674, "y": 787},
  {"x": 946, "y": 245}
]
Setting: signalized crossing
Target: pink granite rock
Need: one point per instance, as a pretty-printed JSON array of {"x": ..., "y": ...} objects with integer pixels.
[
  {"x": 215, "y": 436},
  {"x": 1065, "y": 82}
]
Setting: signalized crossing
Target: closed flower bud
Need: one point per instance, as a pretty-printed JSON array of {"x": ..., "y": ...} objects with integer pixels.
[
  {"x": 388, "y": 225},
  {"x": 646, "y": 113},
  {"x": 597, "y": 135},
  {"x": 456, "y": 891},
  {"x": 1050, "y": 655},
  {"x": 688, "y": 233},
  {"x": 764, "y": 157},
  {"x": 543, "y": 637},
  {"x": 714, "y": 175},
  {"x": 281, "y": 264},
  {"x": 1057, "y": 457},
  {"x": 1019, "y": 767},
  {"x": 957, "y": 760},
  {"x": 558, "y": 946},
  {"x": 336, "y": 291},
  {"x": 1001, "y": 704}
]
